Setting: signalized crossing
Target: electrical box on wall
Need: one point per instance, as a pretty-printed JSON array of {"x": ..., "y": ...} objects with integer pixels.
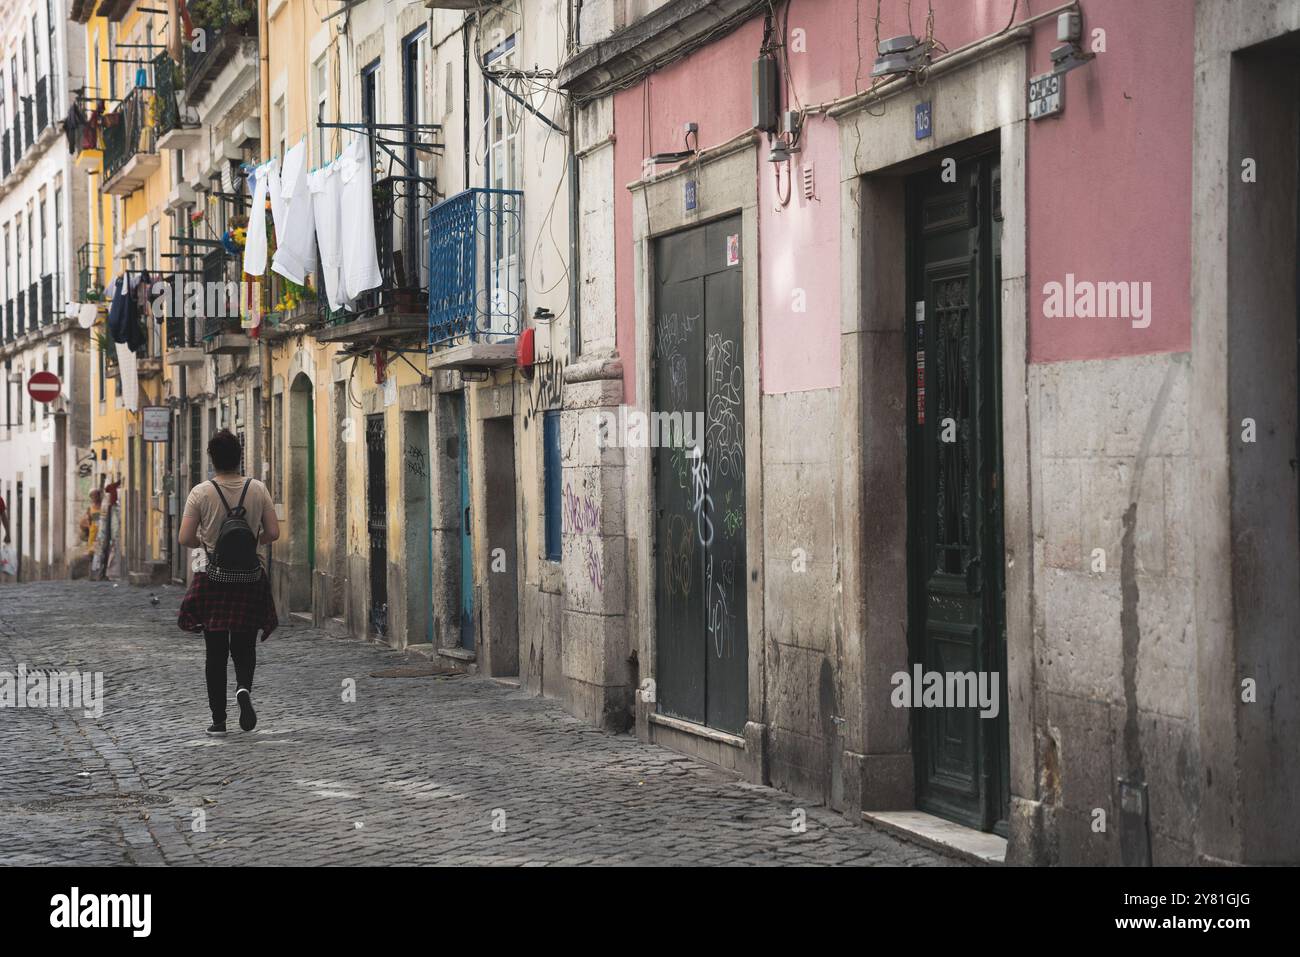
[{"x": 766, "y": 105}]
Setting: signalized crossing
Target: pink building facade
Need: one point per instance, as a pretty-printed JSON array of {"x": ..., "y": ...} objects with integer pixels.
[{"x": 984, "y": 394}]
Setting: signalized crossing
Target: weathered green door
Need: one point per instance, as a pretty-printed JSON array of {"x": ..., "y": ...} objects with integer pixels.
[{"x": 955, "y": 551}]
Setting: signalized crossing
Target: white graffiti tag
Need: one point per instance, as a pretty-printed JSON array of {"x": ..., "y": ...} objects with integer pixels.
[{"x": 703, "y": 501}]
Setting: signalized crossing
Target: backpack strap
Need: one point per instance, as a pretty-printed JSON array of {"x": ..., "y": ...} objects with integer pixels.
[
  {"x": 222, "y": 497},
  {"x": 240, "y": 503}
]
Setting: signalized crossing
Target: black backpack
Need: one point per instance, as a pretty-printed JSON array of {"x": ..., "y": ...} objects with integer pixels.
[{"x": 235, "y": 557}]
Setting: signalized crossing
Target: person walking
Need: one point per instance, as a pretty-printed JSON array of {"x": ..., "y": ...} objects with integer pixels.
[{"x": 229, "y": 599}]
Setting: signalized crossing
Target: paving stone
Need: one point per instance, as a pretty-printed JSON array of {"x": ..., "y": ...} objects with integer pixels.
[{"x": 424, "y": 767}]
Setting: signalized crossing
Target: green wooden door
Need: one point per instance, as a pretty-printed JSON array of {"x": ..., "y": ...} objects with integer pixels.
[{"x": 955, "y": 540}]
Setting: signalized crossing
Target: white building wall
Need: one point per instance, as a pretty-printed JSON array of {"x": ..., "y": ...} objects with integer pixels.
[{"x": 42, "y": 446}]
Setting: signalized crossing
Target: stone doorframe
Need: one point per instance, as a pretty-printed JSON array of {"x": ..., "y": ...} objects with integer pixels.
[
  {"x": 980, "y": 94},
  {"x": 726, "y": 184},
  {"x": 1232, "y": 292}
]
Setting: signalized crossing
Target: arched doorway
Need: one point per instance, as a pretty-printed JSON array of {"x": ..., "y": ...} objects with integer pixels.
[{"x": 301, "y": 498}]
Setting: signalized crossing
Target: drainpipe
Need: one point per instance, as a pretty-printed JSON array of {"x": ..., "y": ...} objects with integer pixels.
[
  {"x": 465, "y": 184},
  {"x": 575, "y": 256},
  {"x": 264, "y": 82}
]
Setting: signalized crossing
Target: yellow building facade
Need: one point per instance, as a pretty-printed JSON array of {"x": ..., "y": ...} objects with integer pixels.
[
  {"x": 415, "y": 466},
  {"x": 127, "y": 184}
]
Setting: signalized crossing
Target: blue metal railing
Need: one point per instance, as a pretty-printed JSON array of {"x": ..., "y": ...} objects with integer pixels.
[{"x": 475, "y": 266}]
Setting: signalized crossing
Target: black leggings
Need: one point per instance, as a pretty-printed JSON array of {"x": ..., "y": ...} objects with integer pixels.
[{"x": 242, "y": 647}]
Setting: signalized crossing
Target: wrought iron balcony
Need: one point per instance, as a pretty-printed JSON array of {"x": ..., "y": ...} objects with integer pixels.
[
  {"x": 166, "y": 78},
  {"x": 129, "y": 153},
  {"x": 398, "y": 308},
  {"x": 90, "y": 275},
  {"x": 225, "y": 25},
  {"x": 222, "y": 331},
  {"x": 185, "y": 334},
  {"x": 475, "y": 266}
]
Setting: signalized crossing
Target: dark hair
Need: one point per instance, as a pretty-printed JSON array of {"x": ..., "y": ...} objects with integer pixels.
[{"x": 225, "y": 450}]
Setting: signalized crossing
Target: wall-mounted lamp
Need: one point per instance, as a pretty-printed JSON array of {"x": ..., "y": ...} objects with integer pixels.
[
  {"x": 1069, "y": 33},
  {"x": 659, "y": 159},
  {"x": 899, "y": 55}
]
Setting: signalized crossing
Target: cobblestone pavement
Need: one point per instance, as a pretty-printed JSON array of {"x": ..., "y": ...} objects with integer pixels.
[{"x": 416, "y": 771}]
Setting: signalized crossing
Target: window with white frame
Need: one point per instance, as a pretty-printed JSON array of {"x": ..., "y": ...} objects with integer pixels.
[
  {"x": 278, "y": 132},
  {"x": 502, "y": 168},
  {"x": 320, "y": 84}
]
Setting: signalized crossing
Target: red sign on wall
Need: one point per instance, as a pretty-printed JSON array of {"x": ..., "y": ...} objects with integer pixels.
[{"x": 43, "y": 386}]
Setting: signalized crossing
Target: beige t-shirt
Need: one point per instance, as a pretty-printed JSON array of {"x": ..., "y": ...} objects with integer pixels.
[{"x": 203, "y": 498}]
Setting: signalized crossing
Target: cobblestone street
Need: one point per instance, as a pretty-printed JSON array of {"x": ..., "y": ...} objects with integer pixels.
[{"x": 414, "y": 772}]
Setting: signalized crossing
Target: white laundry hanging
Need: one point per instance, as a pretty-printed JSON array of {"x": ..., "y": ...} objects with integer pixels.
[
  {"x": 255, "y": 241},
  {"x": 324, "y": 185},
  {"x": 128, "y": 380},
  {"x": 360, "y": 257},
  {"x": 295, "y": 233}
]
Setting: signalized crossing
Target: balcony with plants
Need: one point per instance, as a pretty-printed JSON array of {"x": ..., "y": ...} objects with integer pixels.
[
  {"x": 398, "y": 308},
  {"x": 225, "y": 26}
]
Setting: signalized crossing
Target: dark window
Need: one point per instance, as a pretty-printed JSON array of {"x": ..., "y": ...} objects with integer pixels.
[
  {"x": 370, "y": 99},
  {"x": 554, "y": 500},
  {"x": 196, "y": 444}
]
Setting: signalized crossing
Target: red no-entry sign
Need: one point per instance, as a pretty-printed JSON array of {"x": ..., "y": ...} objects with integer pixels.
[{"x": 43, "y": 386}]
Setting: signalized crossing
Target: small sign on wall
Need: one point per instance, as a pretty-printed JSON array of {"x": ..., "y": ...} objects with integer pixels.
[
  {"x": 733, "y": 249},
  {"x": 1046, "y": 95},
  {"x": 924, "y": 120},
  {"x": 155, "y": 423},
  {"x": 689, "y": 198}
]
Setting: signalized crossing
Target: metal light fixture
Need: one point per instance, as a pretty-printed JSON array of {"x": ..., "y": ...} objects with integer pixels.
[
  {"x": 899, "y": 55},
  {"x": 659, "y": 159},
  {"x": 1069, "y": 55}
]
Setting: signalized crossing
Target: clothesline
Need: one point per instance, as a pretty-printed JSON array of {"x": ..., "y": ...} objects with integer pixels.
[{"x": 308, "y": 211}]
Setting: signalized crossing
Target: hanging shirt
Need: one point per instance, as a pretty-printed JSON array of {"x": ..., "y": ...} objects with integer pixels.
[
  {"x": 73, "y": 126},
  {"x": 119, "y": 307},
  {"x": 255, "y": 240},
  {"x": 124, "y": 313},
  {"x": 295, "y": 232},
  {"x": 128, "y": 383},
  {"x": 327, "y": 213},
  {"x": 360, "y": 257}
]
